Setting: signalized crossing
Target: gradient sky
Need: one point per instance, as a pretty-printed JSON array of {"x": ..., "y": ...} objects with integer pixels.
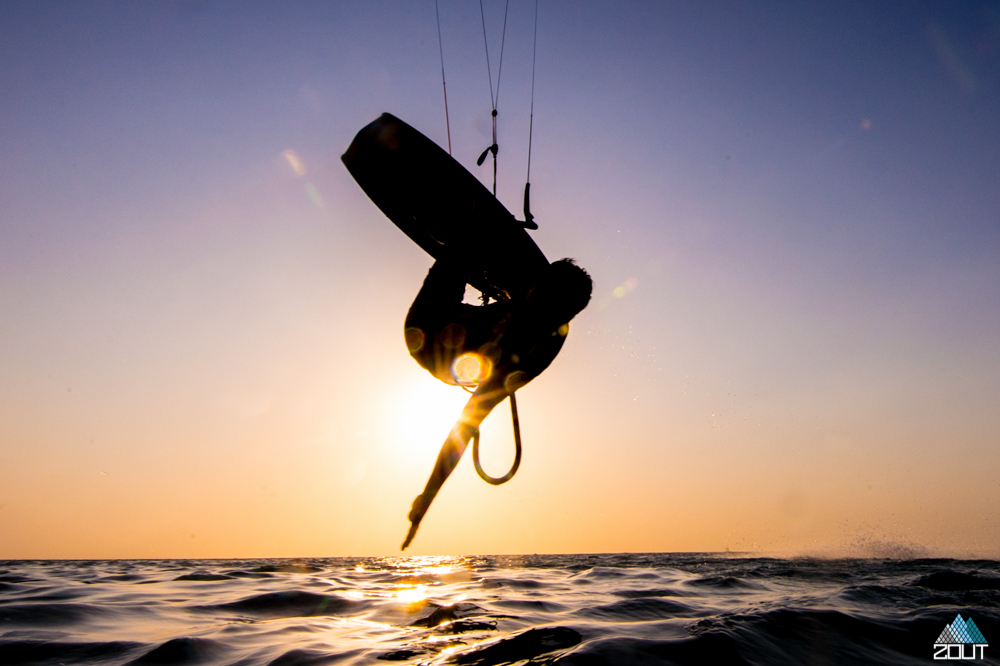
[{"x": 791, "y": 213}]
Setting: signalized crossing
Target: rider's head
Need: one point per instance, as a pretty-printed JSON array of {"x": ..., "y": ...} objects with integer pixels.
[{"x": 563, "y": 292}]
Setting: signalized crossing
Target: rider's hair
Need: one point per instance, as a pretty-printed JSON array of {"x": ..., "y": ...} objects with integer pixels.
[{"x": 566, "y": 289}]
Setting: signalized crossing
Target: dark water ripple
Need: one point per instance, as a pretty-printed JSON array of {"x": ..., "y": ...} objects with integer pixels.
[{"x": 489, "y": 611}]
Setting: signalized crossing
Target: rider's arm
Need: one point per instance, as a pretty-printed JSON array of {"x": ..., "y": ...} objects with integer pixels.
[{"x": 489, "y": 394}]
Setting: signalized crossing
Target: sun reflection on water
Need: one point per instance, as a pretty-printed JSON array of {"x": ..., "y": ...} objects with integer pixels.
[
  {"x": 426, "y": 565},
  {"x": 412, "y": 594}
]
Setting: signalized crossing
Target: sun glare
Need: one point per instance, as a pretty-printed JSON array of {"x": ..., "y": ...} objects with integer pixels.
[
  {"x": 412, "y": 595},
  {"x": 419, "y": 415}
]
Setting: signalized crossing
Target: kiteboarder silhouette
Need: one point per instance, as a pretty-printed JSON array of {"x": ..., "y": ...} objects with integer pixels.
[
  {"x": 499, "y": 346},
  {"x": 495, "y": 348}
]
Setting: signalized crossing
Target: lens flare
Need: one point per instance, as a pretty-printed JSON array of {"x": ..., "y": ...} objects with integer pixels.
[
  {"x": 415, "y": 339},
  {"x": 453, "y": 335},
  {"x": 630, "y": 285},
  {"x": 295, "y": 162},
  {"x": 470, "y": 369},
  {"x": 515, "y": 380},
  {"x": 314, "y": 196}
]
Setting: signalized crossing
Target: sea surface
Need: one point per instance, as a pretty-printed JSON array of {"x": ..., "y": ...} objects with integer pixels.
[{"x": 485, "y": 611}]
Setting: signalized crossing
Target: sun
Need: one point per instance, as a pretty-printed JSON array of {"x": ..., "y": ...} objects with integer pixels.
[{"x": 419, "y": 413}]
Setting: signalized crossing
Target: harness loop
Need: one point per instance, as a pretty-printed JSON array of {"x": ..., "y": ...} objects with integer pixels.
[{"x": 496, "y": 481}]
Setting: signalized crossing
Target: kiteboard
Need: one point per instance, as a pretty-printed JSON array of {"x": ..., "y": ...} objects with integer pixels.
[{"x": 443, "y": 208}]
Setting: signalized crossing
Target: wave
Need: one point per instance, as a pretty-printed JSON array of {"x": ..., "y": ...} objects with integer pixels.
[
  {"x": 954, "y": 581},
  {"x": 639, "y": 610},
  {"x": 204, "y": 576},
  {"x": 43, "y": 653},
  {"x": 35, "y": 614},
  {"x": 292, "y": 603},
  {"x": 182, "y": 651},
  {"x": 520, "y": 647}
]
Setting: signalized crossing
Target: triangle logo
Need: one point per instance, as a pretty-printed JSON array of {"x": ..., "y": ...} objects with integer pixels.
[
  {"x": 974, "y": 633},
  {"x": 959, "y": 631}
]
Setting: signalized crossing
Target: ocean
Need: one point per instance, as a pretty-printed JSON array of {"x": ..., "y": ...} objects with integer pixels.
[{"x": 489, "y": 610}]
